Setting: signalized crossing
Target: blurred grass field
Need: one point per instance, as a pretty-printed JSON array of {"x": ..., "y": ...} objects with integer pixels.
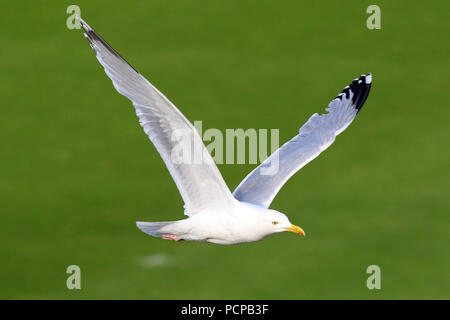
[{"x": 78, "y": 171}]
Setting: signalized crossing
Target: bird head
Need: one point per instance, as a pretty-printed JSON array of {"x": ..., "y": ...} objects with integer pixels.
[{"x": 279, "y": 222}]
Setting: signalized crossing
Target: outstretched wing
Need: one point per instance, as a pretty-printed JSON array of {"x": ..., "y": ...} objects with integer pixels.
[
  {"x": 317, "y": 134},
  {"x": 199, "y": 181}
]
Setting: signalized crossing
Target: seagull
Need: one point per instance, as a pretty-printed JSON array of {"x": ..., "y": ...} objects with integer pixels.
[{"x": 214, "y": 214}]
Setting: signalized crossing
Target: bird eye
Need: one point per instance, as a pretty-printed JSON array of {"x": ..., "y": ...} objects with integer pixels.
[{"x": 275, "y": 223}]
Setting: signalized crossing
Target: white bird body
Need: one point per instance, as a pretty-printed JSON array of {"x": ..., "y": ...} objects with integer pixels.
[
  {"x": 237, "y": 223},
  {"x": 215, "y": 214}
]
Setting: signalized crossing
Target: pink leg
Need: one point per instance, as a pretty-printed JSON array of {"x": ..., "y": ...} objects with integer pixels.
[{"x": 170, "y": 236}]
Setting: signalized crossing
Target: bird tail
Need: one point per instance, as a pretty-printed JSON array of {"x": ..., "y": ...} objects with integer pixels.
[{"x": 155, "y": 229}]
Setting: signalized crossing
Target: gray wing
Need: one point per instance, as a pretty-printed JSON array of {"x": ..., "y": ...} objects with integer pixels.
[
  {"x": 198, "y": 180},
  {"x": 317, "y": 134}
]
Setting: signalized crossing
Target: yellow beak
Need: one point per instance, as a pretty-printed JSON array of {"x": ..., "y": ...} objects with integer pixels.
[{"x": 296, "y": 229}]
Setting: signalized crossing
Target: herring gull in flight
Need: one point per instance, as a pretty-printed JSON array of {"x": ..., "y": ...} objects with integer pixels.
[{"x": 215, "y": 214}]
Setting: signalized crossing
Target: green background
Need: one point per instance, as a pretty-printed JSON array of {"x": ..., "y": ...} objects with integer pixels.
[{"x": 77, "y": 170}]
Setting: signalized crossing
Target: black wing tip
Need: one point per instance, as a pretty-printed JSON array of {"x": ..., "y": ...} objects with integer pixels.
[
  {"x": 93, "y": 37},
  {"x": 86, "y": 28},
  {"x": 359, "y": 88},
  {"x": 362, "y": 91}
]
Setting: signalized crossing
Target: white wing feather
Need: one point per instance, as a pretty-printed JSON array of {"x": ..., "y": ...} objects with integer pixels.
[
  {"x": 317, "y": 134},
  {"x": 200, "y": 183}
]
